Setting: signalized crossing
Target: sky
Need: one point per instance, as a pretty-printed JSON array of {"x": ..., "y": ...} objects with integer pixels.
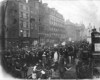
[{"x": 78, "y": 11}]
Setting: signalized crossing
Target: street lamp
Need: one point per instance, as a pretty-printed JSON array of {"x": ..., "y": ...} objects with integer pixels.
[
  {"x": 21, "y": 31},
  {"x": 21, "y": 37}
]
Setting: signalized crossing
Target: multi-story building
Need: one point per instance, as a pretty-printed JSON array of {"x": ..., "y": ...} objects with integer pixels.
[
  {"x": 75, "y": 32},
  {"x": 80, "y": 29},
  {"x": 43, "y": 22},
  {"x": 12, "y": 20},
  {"x": 57, "y": 24},
  {"x": 52, "y": 25},
  {"x": 17, "y": 20},
  {"x": 71, "y": 30},
  {"x": 88, "y": 33},
  {"x": 24, "y": 19},
  {"x": 34, "y": 20}
]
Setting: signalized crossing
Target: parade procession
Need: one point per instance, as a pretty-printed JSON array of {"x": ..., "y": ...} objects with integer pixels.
[{"x": 38, "y": 42}]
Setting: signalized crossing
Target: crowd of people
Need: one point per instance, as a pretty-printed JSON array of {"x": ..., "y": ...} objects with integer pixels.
[{"x": 16, "y": 61}]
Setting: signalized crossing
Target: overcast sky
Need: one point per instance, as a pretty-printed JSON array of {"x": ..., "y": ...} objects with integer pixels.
[{"x": 78, "y": 11}]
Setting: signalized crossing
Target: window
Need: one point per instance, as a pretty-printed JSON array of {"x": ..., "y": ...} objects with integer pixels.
[
  {"x": 21, "y": 14},
  {"x": 55, "y": 30},
  {"x": 27, "y": 24},
  {"x": 21, "y": 6},
  {"x": 37, "y": 6},
  {"x": 24, "y": 33},
  {"x": 55, "y": 23},
  {"x": 24, "y": 15},
  {"x": 50, "y": 21},
  {"x": 24, "y": 7},
  {"x": 24, "y": 24},
  {"x": 27, "y": 33},
  {"x": 21, "y": 24},
  {"x": 35, "y": 26}
]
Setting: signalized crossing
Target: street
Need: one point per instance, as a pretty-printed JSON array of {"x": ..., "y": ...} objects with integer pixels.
[
  {"x": 57, "y": 63},
  {"x": 50, "y": 39},
  {"x": 68, "y": 74}
]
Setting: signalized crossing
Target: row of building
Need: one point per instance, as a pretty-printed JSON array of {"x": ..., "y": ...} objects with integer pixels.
[
  {"x": 75, "y": 32},
  {"x": 34, "y": 22}
]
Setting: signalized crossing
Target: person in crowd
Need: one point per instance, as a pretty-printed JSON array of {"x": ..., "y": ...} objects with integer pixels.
[{"x": 50, "y": 57}]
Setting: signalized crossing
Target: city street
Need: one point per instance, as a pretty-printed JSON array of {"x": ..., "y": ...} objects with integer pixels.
[
  {"x": 51, "y": 63},
  {"x": 50, "y": 39}
]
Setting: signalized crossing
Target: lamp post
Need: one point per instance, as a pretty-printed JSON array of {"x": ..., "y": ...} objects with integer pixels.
[{"x": 21, "y": 31}]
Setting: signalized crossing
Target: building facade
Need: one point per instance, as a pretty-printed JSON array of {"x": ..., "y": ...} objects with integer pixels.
[
  {"x": 34, "y": 20},
  {"x": 17, "y": 21},
  {"x": 81, "y": 29},
  {"x": 71, "y": 30},
  {"x": 22, "y": 20},
  {"x": 88, "y": 33},
  {"x": 52, "y": 25},
  {"x": 75, "y": 32},
  {"x": 12, "y": 20},
  {"x": 57, "y": 24}
]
